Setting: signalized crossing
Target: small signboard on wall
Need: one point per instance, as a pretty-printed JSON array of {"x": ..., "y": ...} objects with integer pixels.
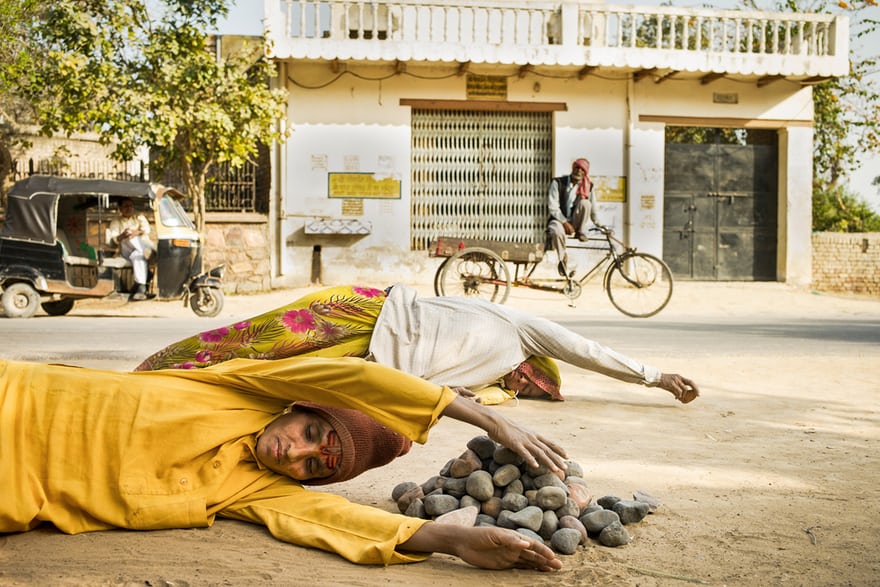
[
  {"x": 609, "y": 188},
  {"x": 486, "y": 87},
  {"x": 362, "y": 185}
]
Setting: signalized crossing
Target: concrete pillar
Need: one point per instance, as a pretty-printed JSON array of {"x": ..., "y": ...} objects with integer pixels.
[{"x": 795, "y": 253}]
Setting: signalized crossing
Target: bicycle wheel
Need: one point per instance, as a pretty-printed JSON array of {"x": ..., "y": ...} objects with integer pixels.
[
  {"x": 437, "y": 275},
  {"x": 475, "y": 272},
  {"x": 639, "y": 284}
]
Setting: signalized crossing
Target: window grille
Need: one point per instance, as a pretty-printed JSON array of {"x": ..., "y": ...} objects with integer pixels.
[{"x": 480, "y": 175}]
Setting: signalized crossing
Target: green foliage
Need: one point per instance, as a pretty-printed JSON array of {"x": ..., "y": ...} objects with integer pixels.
[
  {"x": 846, "y": 116},
  {"x": 837, "y": 210},
  {"x": 142, "y": 78}
]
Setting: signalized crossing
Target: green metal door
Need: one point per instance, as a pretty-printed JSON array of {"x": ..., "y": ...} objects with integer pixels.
[{"x": 720, "y": 210}]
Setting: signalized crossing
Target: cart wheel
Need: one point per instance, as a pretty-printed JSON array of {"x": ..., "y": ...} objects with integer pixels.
[
  {"x": 20, "y": 300},
  {"x": 206, "y": 302},
  {"x": 475, "y": 271},
  {"x": 640, "y": 285},
  {"x": 58, "y": 307},
  {"x": 437, "y": 276}
]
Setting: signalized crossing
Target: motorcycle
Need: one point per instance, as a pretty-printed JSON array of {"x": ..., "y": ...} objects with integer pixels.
[{"x": 53, "y": 251}]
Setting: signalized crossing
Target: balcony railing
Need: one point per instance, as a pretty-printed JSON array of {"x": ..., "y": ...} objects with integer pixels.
[{"x": 566, "y": 33}]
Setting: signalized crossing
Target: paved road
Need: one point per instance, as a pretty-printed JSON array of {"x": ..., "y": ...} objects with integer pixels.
[{"x": 120, "y": 342}]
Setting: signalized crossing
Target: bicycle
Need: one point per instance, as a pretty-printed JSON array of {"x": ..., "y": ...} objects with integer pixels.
[{"x": 637, "y": 284}]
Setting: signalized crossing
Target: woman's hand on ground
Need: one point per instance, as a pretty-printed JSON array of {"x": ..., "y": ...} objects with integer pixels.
[
  {"x": 484, "y": 546},
  {"x": 682, "y": 388}
]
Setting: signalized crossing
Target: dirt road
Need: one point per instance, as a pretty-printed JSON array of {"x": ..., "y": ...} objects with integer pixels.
[{"x": 770, "y": 478}]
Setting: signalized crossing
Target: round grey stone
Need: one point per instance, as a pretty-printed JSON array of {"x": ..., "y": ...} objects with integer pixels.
[
  {"x": 565, "y": 540},
  {"x": 468, "y": 501},
  {"x": 549, "y": 525},
  {"x": 416, "y": 509},
  {"x": 551, "y": 497},
  {"x": 572, "y": 522},
  {"x": 479, "y": 485},
  {"x": 402, "y": 488},
  {"x": 504, "y": 520},
  {"x": 437, "y": 505},
  {"x": 614, "y": 534},
  {"x": 550, "y": 480},
  {"x": 484, "y": 520},
  {"x": 529, "y": 517},
  {"x": 505, "y": 456},
  {"x": 483, "y": 446},
  {"x": 514, "y": 502},
  {"x": 537, "y": 471},
  {"x": 569, "y": 508},
  {"x": 492, "y": 507},
  {"x": 596, "y": 521},
  {"x": 515, "y": 486},
  {"x": 631, "y": 511},
  {"x": 432, "y": 484},
  {"x": 573, "y": 469},
  {"x": 608, "y": 501},
  {"x": 505, "y": 475},
  {"x": 455, "y": 486}
]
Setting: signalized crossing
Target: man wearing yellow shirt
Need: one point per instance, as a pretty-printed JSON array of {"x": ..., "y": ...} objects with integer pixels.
[{"x": 89, "y": 450}]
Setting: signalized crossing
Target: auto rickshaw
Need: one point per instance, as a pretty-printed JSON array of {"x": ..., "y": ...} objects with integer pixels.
[{"x": 53, "y": 251}]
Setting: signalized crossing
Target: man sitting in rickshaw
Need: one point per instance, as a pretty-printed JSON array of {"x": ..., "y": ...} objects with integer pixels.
[{"x": 131, "y": 234}]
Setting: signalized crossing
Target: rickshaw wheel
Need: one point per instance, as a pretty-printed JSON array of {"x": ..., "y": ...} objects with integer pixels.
[
  {"x": 475, "y": 272},
  {"x": 206, "y": 302},
  {"x": 20, "y": 300},
  {"x": 58, "y": 307}
]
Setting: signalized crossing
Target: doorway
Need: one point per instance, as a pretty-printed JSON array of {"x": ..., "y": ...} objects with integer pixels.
[{"x": 720, "y": 204}]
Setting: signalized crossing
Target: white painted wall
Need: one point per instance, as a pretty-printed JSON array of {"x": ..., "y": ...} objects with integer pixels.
[{"x": 353, "y": 124}]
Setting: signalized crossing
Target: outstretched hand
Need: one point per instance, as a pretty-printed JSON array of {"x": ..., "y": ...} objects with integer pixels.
[
  {"x": 487, "y": 547},
  {"x": 682, "y": 388},
  {"x": 533, "y": 448},
  {"x": 498, "y": 548}
]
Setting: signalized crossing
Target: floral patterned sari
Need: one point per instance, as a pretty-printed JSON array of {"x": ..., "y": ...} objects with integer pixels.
[{"x": 333, "y": 322}]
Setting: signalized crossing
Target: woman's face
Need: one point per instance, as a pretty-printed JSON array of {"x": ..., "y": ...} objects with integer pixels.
[
  {"x": 522, "y": 385},
  {"x": 301, "y": 445}
]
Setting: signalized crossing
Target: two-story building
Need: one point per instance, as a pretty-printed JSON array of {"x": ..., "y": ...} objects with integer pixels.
[{"x": 415, "y": 119}]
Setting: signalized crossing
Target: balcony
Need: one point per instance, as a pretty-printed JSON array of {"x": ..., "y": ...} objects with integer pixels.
[{"x": 660, "y": 41}]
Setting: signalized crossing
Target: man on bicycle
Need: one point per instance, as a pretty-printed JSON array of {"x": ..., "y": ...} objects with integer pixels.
[{"x": 571, "y": 207}]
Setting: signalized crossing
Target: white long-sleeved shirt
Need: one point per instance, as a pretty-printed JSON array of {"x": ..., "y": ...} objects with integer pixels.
[{"x": 470, "y": 342}]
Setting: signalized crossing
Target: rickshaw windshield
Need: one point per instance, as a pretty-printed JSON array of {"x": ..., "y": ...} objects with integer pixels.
[{"x": 172, "y": 213}]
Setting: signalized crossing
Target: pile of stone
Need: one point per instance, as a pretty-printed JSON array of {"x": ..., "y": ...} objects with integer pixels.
[{"x": 490, "y": 485}]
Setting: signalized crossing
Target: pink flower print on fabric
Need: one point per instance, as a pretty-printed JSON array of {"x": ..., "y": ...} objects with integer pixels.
[
  {"x": 298, "y": 320},
  {"x": 215, "y": 335},
  {"x": 204, "y": 356},
  {"x": 186, "y": 365},
  {"x": 243, "y": 325},
  {"x": 368, "y": 292}
]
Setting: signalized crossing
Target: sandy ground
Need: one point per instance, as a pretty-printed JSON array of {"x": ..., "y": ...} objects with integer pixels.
[{"x": 770, "y": 478}]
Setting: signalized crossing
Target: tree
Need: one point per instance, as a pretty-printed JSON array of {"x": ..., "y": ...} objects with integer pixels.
[
  {"x": 846, "y": 112},
  {"x": 146, "y": 78},
  {"x": 16, "y": 20}
]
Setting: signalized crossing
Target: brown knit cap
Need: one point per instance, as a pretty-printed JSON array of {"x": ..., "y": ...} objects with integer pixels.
[{"x": 366, "y": 444}]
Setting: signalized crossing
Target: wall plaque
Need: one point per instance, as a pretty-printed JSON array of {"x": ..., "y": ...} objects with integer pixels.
[{"x": 362, "y": 185}]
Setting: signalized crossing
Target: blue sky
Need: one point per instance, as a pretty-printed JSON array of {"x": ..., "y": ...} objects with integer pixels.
[{"x": 245, "y": 18}]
